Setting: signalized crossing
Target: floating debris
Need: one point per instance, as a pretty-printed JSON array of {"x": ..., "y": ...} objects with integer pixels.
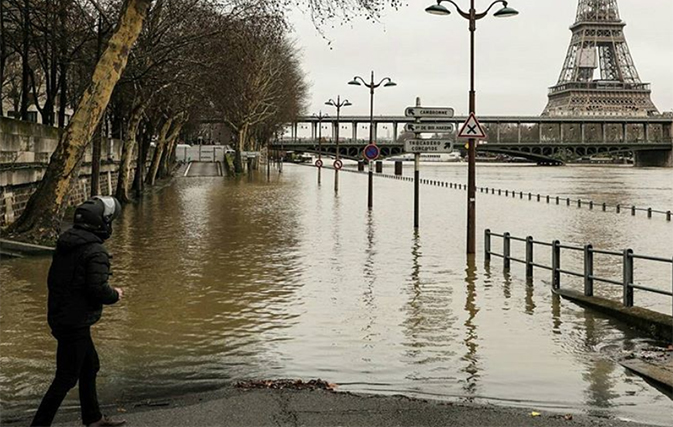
[{"x": 290, "y": 384}]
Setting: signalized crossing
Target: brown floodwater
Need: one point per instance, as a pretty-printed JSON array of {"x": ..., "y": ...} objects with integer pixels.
[{"x": 227, "y": 280}]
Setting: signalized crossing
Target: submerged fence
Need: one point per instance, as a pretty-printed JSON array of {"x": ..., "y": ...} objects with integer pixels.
[
  {"x": 537, "y": 197},
  {"x": 628, "y": 258}
]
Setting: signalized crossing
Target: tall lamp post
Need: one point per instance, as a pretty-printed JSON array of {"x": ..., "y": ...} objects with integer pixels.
[
  {"x": 338, "y": 104},
  {"x": 386, "y": 82},
  {"x": 473, "y": 16},
  {"x": 320, "y": 116}
]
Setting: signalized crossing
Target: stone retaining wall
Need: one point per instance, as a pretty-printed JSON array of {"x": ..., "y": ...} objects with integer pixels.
[{"x": 25, "y": 149}]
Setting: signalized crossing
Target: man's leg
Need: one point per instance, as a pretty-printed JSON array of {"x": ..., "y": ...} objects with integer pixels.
[
  {"x": 88, "y": 397},
  {"x": 69, "y": 358}
]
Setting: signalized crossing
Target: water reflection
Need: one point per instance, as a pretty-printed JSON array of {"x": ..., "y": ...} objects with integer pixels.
[
  {"x": 471, "y": 340},
  {"x": 369, "y": 275},
  {"x": 529, "y": 302},
  {"x": 599, "y": 371}
]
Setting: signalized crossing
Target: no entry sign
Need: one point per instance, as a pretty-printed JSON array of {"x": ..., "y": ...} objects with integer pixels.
[
  {"x": 371, "y": 152},
  {"x": 318, "y": 163},
  {"x": 338, "y": 164}
]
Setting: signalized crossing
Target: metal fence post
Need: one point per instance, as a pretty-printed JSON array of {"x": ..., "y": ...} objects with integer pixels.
[
  {"x": 538, "y": 197},
  {"x": 529, "y": 196},
  {"x": 567, "y": 201},
  {"x": 579, "y": 203},
  {"x": 604, "y": 207},
  {"x": 628, "y": 278},
  {"x": 591, "y": 204},
  {"x": 619, "y": 208},
  {"x": 649, "y": 212},
  {"x": 555, "y": 264},
  {"x": 529, "y": 256},
  {"x": 487, "y": 245},
  {"x": 633, "y": 210},
  {"x": 588, "y": 270},
  {"x": 506, "y": 242},
  {"x": 668, "y": 215},
  {"x": 557, "y": 200},
  {"x": 547, "y": 198}
]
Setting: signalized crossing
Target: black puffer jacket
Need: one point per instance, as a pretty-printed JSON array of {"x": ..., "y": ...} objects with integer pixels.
[{"x": 78, "y": 282}]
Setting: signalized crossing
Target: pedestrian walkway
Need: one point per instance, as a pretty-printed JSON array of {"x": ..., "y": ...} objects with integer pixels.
[
  {"x": 238, "y": 408},
  {"x": 195, "y": 169}
]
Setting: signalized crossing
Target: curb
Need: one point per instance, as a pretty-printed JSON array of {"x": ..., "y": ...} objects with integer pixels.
[
  {"x": 14, "y": 249},
  {"x": 656, "y": 324}
]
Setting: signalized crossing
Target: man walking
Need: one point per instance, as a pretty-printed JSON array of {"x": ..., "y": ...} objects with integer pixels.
[{"x": 78, "y": 288}]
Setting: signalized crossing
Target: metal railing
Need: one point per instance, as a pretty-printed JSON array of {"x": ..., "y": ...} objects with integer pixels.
[{"x": 628, "y": 257}]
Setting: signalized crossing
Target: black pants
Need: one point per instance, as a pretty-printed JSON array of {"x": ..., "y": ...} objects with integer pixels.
[{"x": 76, "y": 360}]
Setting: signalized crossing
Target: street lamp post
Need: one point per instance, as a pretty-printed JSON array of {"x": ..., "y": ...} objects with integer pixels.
[
  {"x": 320, "y": 116},
  {"x": 473, "y": 16},
  {"x": 386, "y": 82},
  {"x": 338, "y": 104}
]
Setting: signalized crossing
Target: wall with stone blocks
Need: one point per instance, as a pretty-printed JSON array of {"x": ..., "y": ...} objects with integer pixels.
[
  {"x": 25, "y": 149},
  {"x": 13, "y": 198}
]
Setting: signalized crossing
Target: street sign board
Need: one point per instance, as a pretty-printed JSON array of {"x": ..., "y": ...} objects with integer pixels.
[
  {"x": 471, "y": 128},
  {"x": 428, "y": 146},
  {"x": 338, "y": 164},
  {"x": 445, "y": 112},
  {"x": 429, "y": 127},
  {"x": 371, "y": 152},
  {"x": 318, "y": 163}
]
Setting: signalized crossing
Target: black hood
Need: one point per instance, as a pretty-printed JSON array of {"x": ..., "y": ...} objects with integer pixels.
[{"x": 74, "y": 238}]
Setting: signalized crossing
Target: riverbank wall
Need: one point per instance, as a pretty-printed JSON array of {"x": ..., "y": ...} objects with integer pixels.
[{"x": 25, "y": 150}]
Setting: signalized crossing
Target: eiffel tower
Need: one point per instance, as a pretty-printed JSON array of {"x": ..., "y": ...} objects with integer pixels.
[{"x": 599, "y": 77}]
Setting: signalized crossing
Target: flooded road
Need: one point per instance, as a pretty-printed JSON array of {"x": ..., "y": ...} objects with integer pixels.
[{"x": 228, "y": 280}]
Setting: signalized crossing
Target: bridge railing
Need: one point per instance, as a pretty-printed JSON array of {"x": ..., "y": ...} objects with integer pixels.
[{"x": 628, "y": 259}]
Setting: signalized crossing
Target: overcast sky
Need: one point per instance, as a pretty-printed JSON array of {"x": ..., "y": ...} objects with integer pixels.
[{"x": 517, "y": 58}]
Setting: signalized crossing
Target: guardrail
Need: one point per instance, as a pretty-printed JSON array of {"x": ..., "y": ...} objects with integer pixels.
[
  {"x": 537, "y": 197},
  {"x": 628, "y": 257}
]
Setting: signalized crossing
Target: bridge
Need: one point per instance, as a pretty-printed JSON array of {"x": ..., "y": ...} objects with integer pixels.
[{"x": 546, "y": 140}]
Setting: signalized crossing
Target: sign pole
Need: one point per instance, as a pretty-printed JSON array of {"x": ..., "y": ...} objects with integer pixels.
[
  {"x": 417, "y": 176},
  {"x": 370, "y": 197},
  {"x": 319, "y": 146},
  {"x": 336, "y": 171}
]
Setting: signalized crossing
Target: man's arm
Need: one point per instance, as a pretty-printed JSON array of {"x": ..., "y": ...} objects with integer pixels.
[{"x": 97, "y": 273}]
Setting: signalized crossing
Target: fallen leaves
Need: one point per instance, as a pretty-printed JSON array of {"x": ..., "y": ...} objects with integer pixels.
[{"x": 289, "y": 384}]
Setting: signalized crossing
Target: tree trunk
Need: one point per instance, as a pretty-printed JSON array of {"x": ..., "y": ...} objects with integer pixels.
[
  {"x": 240, "y": 144},
  {"x": 25, "y": 69},
  {"x": 3, "y": 53},
  {"x": 158, "y": 153},
  {"x": 42, "y": 217},
  {"x": 143, "y": 151},
  {"x": 95, "y": 160},
  {"x": 63, "y": 62},
  {"x": 172, "y": 140},
  {"x": 122, "y": 191}
]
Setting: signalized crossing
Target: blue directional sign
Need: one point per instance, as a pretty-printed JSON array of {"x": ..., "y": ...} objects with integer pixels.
[{"x": 371, "y": 152}]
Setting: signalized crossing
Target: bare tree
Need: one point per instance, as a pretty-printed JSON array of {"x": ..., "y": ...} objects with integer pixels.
[{"x": 44, "y": 211}]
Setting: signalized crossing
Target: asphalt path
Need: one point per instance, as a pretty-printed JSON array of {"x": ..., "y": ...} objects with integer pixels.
[
  {"x": 232, "y": 407},
  {"x": 203, "y": 169}
]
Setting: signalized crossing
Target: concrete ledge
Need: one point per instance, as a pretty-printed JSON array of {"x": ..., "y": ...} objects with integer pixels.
[
  {"x": 658, "y": 325},
  {"x": 662, "y": 374},
  {"x": 24, "y": 248}
]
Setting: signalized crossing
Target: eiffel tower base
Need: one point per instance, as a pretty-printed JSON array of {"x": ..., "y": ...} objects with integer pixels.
[{"x": 654, "y": 158}]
